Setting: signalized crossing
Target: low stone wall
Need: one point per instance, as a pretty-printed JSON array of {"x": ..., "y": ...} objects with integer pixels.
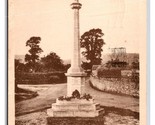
[{"x": 114, "y": 85}]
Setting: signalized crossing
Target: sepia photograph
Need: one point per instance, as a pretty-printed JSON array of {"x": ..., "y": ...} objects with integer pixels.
[{"x": 77, "y": 62}]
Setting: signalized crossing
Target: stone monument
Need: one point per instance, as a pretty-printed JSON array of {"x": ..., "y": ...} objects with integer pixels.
[
  {"x": 76, "y": 103},
  {"x": 75, "y": 75}
]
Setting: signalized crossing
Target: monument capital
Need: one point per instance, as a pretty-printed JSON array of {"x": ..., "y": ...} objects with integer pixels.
[{"x": 76, "y": 5}]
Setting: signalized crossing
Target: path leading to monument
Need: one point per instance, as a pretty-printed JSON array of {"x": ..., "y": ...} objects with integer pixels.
[{"x": 48, "y": 94}]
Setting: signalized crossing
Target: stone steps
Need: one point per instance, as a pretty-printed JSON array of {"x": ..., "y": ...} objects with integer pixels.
[
  {"x": 87, "y": 107},
  {"x": 81, "y": 108},
  {"x": 75, "y": 113}
]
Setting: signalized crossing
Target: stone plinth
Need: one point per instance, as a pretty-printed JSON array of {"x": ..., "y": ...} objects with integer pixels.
[
  {"x": 75, "y": 81},
  {"x": 75, "y": 121},
  {"x": 75, "y": 108}
]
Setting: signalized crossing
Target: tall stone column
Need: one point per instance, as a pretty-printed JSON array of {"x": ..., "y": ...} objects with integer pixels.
[
  {"x": 75, "y": 75},
  {"x": 75, "y": 59}
]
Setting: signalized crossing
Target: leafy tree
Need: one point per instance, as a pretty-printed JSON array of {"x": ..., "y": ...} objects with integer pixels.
[
  {"x": 52, "y": 62},
  {"x": 92, "y": 42},
  {"x": 135, "y": 65},
  {"x": 34, "y": 51},
  {"x": 67, "y": 66},
  {"x": 86, "y": 65},
  {"x": 19, "y": 67}
]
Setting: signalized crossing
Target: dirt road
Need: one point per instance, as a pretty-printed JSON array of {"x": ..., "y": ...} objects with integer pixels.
[{"x": 48, "y": 94}]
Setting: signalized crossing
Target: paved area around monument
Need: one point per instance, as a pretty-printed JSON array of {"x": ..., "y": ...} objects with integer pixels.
[{"x": 48, "y": 94}]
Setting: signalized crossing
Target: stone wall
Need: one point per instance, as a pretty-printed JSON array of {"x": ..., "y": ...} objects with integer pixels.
[{"x": 115, "y": 85}]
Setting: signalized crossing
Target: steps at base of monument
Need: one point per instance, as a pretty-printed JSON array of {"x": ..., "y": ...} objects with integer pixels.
[
  {"x": 58, "y": 107},
  {"x": 75, "y": 113}
]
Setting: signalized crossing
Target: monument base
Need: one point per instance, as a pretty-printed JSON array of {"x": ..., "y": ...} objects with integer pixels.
[
  {"x": 75, "y": 108},
  {"x": 75, "y": 121},
  {"x": 75, "y": 81}
]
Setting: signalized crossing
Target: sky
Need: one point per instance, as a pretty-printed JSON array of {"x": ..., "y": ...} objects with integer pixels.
[{"x": 123, "y": 23}]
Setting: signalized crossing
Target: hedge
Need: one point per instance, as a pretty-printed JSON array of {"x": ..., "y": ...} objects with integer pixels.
[{"x": 40, "y": 78}]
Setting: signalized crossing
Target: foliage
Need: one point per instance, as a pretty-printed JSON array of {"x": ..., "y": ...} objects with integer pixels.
[
  {"x": 67, "y": 66},
  {"x": 52, "y": 62},
  {"x": 86, "y": 65},
  {"x": 92, "y": 43},
  {"x": 61, "y": 98},
  {"x": 135, "y": 77},
  {"x": 40, "y": 78},
  {"x": 87, "y": 96},
  {"x": 116, "y": 63},
  {"x": 75, "y": 95},
  {"x": 19, "y": 67},
  {"x": 34, "y": 51},
  {"x": 135, "y": 65}
]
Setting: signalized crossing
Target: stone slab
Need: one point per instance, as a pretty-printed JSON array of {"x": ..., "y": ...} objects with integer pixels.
[
  {"x": 75, "y": 121},
  {"x": 81, "y": 106},
  {"x": 75, "y": 113},
  {"x": 75, "y": 83},
  {"x": 76, "y": 74}
]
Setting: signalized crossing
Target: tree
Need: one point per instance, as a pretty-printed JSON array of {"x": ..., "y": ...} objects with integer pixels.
[
  {"x": 34, "y": 51},
  {"x": 52, "y": 62},
  {"x": 19, "y": 67},
  {"x": 92, "y": 42}
]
